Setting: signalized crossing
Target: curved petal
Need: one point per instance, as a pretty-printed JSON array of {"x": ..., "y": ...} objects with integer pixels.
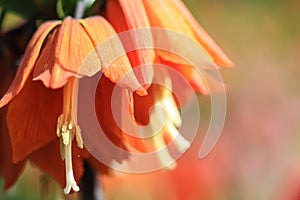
[
  {"x": 190, "y": 74},
  {"x": 8, "y": 170},
  {"x": 73, "y": 47},
  {"x": 49, "y": 160},
  {"x": 171, "y": 14},
  {"x": 31, "y": 54},
  {"x": 32, "y": 117},
  {"x": 208, "y": 43},
  {"x": 130, "y": 15},
  {"x": 142, "y": 106},
  {"x": 47, "y": 69},
  {"x": 106, "y": 118},
  {"x": 114, "y": 61}
]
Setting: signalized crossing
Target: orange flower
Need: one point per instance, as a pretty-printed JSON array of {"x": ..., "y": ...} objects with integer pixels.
[
  {"x": 174, "y": 34},
  {"x": 58, "y": 54},
  {"x": 128, "y": 15},
  {"x": 8, "y": 170},
  {"x": 61, "y": 52},
  {"x": 165, "y": 119},
  {"x": 173, "y": 17}
]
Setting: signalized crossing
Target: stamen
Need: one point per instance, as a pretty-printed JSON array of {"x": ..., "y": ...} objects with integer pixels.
[
  {"x": 172, "y": 110},
  {"x": 159, "y": 121},
  {"x": 67, "y": 128},
  {"x": 179, "y": 141},
  {"x": 79, "y": 137},
  {"x": 164, "y": 157},
  {"x": 165, "y": 119},
  {"x": 65, "y": 134},
  {"x": 59, "y": 125}
]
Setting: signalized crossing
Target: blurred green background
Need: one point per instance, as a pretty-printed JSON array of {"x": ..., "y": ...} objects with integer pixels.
[{"x": 258, "y": 154}]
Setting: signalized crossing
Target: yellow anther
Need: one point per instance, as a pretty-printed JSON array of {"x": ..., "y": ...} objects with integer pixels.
[
  {"x": 79, "y": 137},
  {"x": 59, "y": 125}
]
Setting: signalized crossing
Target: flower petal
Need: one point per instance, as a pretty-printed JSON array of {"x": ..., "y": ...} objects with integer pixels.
[
  {"x": 130, "y": 15},
  {"x": 107, "y": 120},
  {"x": 189, "y": 73},
  {"x": 31, "y": 54},
  {"x": 174, "y": 16},
  {"x": 208, "y": 43},
  {"x": 136, "y": 19},
  {"x": 47, "y": 69},
  {"x": 114, "y": 61},
  {"x": 32, "y": 117},
  {"x": 75, "y": 49},
  {"x": 142, "y": 106},
  {"x": 8, "y": 170}
]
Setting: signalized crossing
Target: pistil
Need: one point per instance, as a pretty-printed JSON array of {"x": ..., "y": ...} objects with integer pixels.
[
  {"x": 166, "y": 118},
  {"x": 67, "y": 128}
]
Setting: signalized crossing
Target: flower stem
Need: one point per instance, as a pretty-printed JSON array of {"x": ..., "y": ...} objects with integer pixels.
[{"x": 80, "y": 8}]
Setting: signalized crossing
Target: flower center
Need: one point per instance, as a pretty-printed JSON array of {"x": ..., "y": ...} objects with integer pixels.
[
  {"x": 165, "y": 121},
  {"x": 169, "y": 131},
  {"x": 67, "y": 128}
]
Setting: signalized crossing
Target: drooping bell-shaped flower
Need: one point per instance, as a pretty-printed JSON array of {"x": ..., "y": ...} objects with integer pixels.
[
  {"x": 176, "y": 39},
  {"x": 42, "y": 100},
  {"x": 172, "y": 28}
]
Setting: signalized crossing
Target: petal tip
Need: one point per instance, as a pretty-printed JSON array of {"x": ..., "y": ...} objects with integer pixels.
[{"x": 141, "y": 91}]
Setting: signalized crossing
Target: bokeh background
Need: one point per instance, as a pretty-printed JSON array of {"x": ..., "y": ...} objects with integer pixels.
[{"x": 258, "y": 154}]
